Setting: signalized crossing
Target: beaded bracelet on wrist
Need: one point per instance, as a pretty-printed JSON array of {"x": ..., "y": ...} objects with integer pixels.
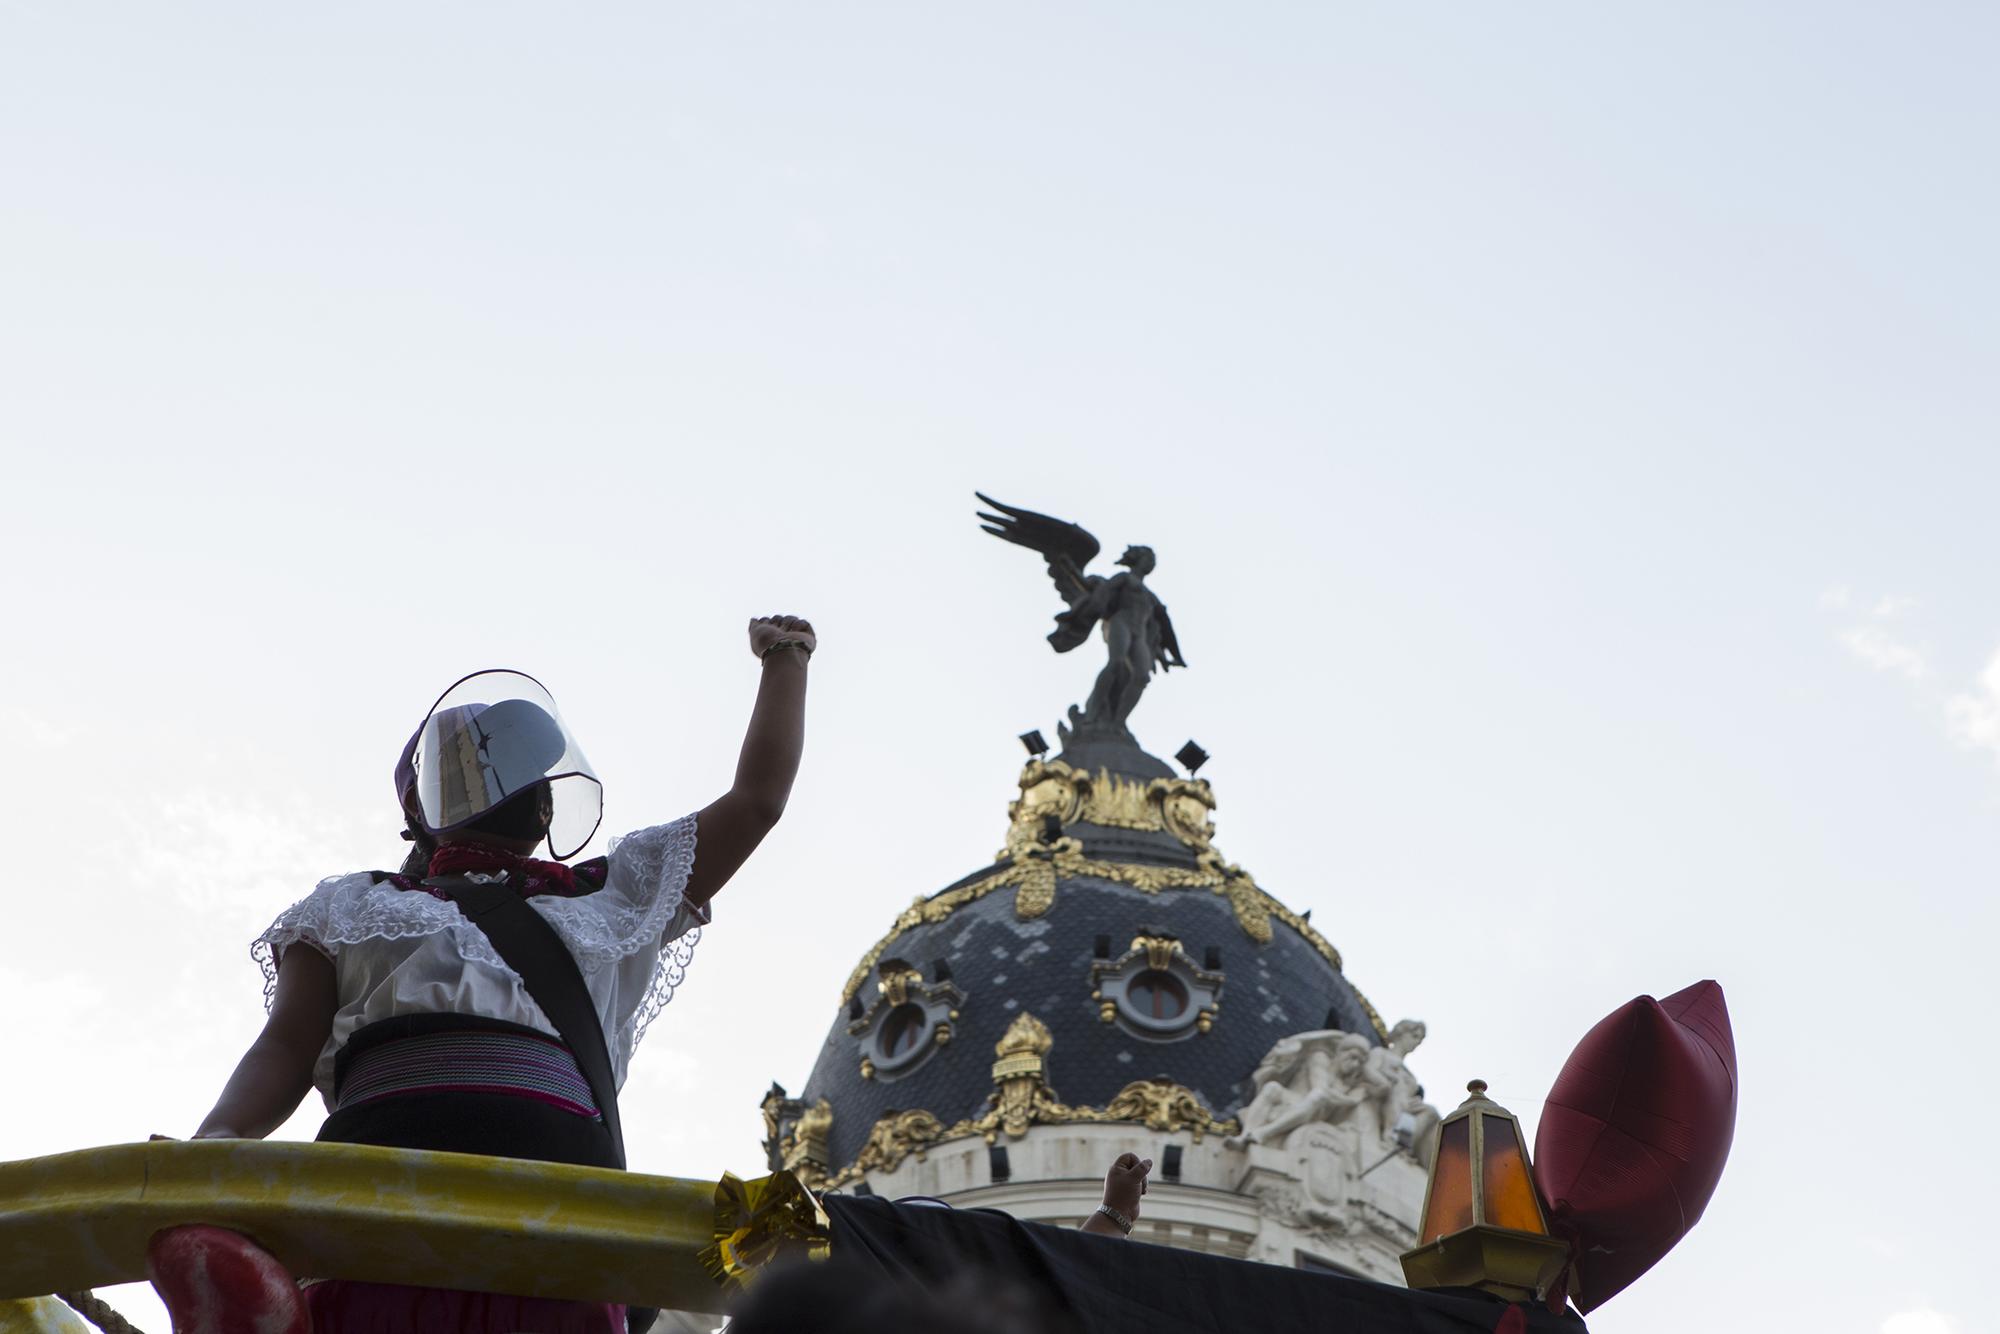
[{"x": 798, "y": 644}]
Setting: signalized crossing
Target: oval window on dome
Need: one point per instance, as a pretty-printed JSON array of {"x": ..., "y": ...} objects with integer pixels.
[
  {"x": 902, "y": 1033},
  {"x": 1154, "y": 990},
  {"x": 1157, "y": 996},
  {"x": 909, "y": 1021}
]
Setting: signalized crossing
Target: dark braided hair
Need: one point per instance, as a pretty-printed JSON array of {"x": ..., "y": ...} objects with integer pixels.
[{"x": 422, "y": 845}]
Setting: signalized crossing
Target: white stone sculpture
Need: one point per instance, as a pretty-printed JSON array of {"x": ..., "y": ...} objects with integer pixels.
[
  {"x": 1319, "y": 1077},
  {"x": 1307, "y": 1127},
  {"x": 1402, "y": 1118}
]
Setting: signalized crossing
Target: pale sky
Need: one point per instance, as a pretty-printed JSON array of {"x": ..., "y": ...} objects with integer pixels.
[{"x": 1567, "y": 431}]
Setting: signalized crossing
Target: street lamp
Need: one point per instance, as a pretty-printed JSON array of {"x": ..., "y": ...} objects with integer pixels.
[{"x": 1483, "y": 1223}]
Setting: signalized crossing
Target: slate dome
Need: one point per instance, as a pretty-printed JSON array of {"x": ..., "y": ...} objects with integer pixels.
[{"x": 1110, "y": 918}]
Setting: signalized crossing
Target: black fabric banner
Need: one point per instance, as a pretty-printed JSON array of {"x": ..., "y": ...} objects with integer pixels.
[{"x": 1111, "y": 1285}]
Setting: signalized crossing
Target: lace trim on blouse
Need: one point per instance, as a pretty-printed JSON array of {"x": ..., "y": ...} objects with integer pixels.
[
  {"x": 645, "y": 890},
  {"x": 623, "y": 918},
  {"x": 348, "y": 909}
]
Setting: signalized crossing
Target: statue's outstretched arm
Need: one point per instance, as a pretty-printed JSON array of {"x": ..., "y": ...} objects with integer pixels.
[{"x": 1075, "y": 586}]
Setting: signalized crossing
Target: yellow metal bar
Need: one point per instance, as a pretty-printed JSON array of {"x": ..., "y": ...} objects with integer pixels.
[
  {"x": 81, "y": 1220},
  {"x": 40, "y": 1315}
]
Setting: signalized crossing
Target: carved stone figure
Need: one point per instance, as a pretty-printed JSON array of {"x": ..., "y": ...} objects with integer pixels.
[
  {"x": 1313, "y": 1077},
  {"x": 781, "y": 1119},
  {"x": 1311, "y": 1120},
  {"x": 807, "y": 1155},
  {"x": 1403, "y": 1119},
  {"x": 1325, "y": 1159},
  {"x": 1135, "y": 625}
]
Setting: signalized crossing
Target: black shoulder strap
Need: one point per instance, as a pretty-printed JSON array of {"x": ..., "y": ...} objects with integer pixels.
[{"x": 531, "y": 947}]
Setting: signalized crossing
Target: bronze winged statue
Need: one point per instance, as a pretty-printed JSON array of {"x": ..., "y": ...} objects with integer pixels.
[{"x": 1134, "y": 621}]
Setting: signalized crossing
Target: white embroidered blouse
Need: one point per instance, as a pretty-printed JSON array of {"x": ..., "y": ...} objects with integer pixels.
[{"x": 398, "y": 951}]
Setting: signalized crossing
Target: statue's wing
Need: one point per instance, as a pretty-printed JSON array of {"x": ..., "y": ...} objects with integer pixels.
[
  {"x": 1285, "y": 1063},
  {"x": 1166, "y": 649},
  {"x": 1065, "y": 546},
  {"x": 1276, "y": 1067},
  {"x": 1324, "y": 1039}
]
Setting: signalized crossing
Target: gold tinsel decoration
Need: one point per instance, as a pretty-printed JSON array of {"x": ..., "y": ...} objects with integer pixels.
[{"x": 757, "y": 1221}]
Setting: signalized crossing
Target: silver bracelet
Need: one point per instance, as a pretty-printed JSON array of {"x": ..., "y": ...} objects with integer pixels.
[{"x": 1124, "y": 1224}]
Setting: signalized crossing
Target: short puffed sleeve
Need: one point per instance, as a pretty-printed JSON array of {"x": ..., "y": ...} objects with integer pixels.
[
  {"x": 634, "y": 938},
  {"x": 347, "y": 910}
]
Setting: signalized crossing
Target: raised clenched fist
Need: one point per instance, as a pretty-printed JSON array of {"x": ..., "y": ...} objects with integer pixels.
[
  {"x": 768, "y": 630},
  {"x": 1126, "y": 1182}
]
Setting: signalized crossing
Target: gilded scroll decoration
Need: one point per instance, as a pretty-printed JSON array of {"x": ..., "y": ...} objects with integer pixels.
[
  {"x": 1165, "y": 1106},
  {"x": 1055, "y": 793},
  {"x": 1185, "y": 808},
  {"x": 1051, "y": 795},
  {"x": 893, "y": 1138},
  {"x": 1022, "y": 1098}
]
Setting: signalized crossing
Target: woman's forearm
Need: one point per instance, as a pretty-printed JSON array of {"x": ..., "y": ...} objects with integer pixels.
[
  {"x": 735, "y": 823},
  {"x": 776, "y": 737}
]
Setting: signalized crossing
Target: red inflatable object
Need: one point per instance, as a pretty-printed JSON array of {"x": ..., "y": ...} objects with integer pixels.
[
  {"x": 1634, "y": 1134},
  {"x": 214, "y": 1281}
]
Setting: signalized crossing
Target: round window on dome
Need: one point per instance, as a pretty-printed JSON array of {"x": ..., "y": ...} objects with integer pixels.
[
  {"x": 1154, "y": 990},
  {"x": 909, "y": 1021},
  {"x": 1157, "y": 997},
  {"x": 902, "y": 1033}
]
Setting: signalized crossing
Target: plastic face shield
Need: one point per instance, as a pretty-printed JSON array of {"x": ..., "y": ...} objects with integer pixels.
[{"x": 493, "y": 736}]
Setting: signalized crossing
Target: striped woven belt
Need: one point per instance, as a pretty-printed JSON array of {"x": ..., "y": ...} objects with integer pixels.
[{"x": 522, "y": 1064}]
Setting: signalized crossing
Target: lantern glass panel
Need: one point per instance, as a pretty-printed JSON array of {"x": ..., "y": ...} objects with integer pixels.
[
  {"x": 1509, "y": 1190},
  {"x": 1450, "y": 1207}
]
